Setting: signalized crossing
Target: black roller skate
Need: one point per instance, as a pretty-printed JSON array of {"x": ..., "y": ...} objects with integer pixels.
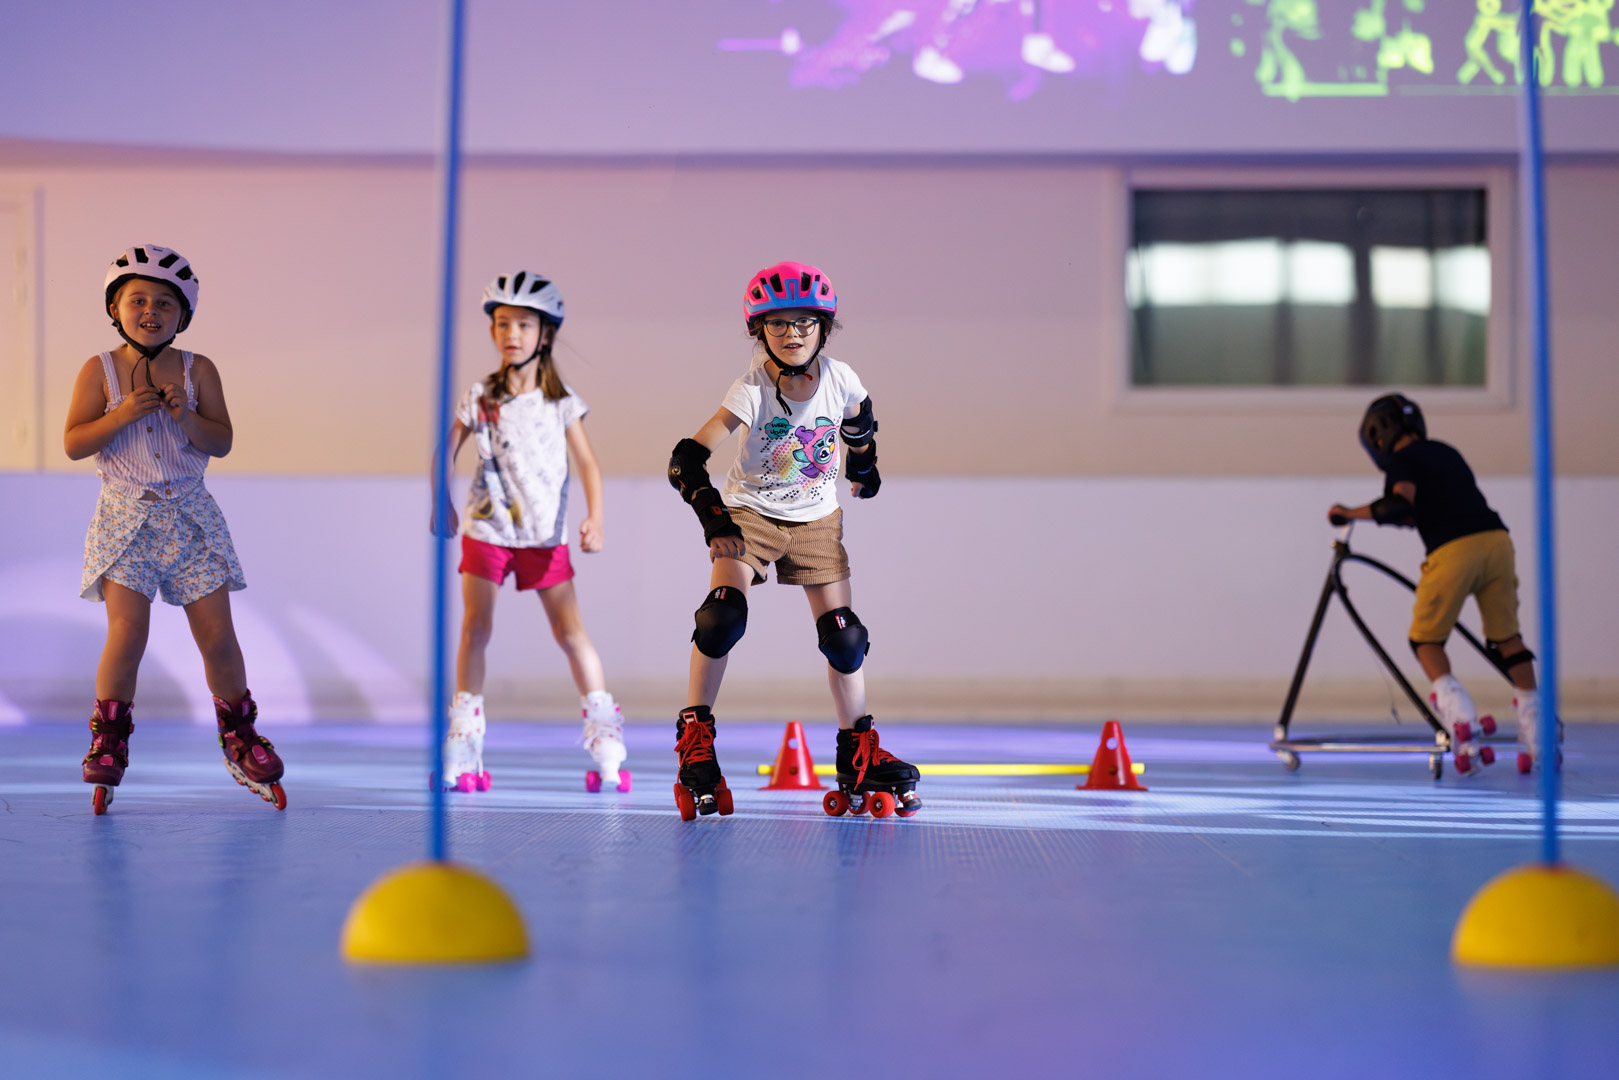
[
  {"x": 701, "y": 788},
  {"x": 104, "y": 765},
  {"x": 249, "y": 756},
  {"x": 870, "y": 778}
]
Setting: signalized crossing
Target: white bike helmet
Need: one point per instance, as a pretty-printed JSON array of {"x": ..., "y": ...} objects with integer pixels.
[
  {"x": 157, "y": 264},
  {"x": 525, "y": 289}
]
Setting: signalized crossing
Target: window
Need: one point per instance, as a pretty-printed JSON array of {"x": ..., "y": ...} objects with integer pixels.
[{"x": 1310, "y": 287}]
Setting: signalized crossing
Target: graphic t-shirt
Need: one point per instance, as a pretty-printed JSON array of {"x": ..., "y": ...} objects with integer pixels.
[
  {"x": 519, "y": 493},
  {"x": 1449, "y": 504},
  {"x": 787, "y": 465}
]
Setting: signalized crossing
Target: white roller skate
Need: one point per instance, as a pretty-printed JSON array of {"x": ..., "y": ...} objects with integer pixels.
[
  {"x": 1459, "y": 717},
  {"x": 603, "y": 738},
  {"x": 1528, "y": 703},
  {"x": 463, "y": 746}
]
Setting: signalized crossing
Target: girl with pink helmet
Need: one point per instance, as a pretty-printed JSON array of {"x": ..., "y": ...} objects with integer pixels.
[{"x": 778, "y": 505}]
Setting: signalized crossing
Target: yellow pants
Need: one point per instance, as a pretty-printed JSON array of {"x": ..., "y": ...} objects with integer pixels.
[{"x": 1482, "y": 566}]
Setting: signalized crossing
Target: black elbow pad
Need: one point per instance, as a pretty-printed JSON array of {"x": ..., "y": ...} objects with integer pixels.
[
  {"x": 688, "y": 468},
  {"x": 1393, "y": 510},
  {"x": 859, "y": 428}
]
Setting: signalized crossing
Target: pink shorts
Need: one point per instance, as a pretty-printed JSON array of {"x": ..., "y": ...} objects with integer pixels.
[{"x": 536, "y": 567}]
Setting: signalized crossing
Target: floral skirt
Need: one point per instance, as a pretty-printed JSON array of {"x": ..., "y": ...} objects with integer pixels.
[{"x": 181, "y": 548}]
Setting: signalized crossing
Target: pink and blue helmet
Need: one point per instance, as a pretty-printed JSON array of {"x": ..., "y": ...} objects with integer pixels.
[{"x": 789, "y": 285}]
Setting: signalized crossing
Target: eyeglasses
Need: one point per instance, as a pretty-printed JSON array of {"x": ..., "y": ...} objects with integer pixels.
[{"x": 804, "y": 326}]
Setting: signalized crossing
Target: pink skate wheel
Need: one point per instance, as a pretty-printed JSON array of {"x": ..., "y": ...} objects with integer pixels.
[
  {"x": 1464, "y": 732},
  {"x": 484, "y": 783},
  {"x": 99, "y": 800},
  {"x": 1487, "y": 723},
  {"x": 593, "y": 781},
  {"x": 1526, "y": 764},
  {"x": 467, "y": 782},
  {"x": 623, "y": 780},
  {"x": 835, "y": 803},
  {"x": 1487, "y": 755},
  {"x": 1464, "y": 763}
]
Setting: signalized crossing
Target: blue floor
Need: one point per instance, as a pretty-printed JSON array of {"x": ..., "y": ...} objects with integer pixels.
[{"x": 1235, "y": 920}]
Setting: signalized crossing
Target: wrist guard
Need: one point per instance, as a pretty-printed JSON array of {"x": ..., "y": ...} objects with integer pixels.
[
  {"x": 1392, "y": 510},
  {"x": 688, "y": 474},
  {"x": 862, "y": 468}
]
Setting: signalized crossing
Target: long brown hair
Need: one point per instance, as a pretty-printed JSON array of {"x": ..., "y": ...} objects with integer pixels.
[{"x": 497, "y": 386}]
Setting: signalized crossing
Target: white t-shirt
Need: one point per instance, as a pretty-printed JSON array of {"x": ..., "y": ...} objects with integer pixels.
[
  {"x": 519, "y": 493},
  {"x": 787, "y": 466}
]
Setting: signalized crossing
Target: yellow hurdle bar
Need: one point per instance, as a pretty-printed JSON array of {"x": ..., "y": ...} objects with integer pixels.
[{"x": 1008, "y": 769}]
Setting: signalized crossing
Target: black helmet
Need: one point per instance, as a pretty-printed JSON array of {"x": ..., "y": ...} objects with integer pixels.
[{"x": 1386, "y": 420}]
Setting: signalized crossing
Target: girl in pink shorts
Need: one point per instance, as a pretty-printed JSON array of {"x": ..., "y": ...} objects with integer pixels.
[
  {"x": 153, "y": 415},
  {"x": 524, "y": 421}
]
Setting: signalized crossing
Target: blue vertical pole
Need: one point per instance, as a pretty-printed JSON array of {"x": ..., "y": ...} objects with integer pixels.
[
  {"x": 1532, "y": 174},
  {"x": 449, "y": 186}
]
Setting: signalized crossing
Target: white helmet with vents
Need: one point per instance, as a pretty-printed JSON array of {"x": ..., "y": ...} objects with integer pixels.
[
  {"x": 525, "y": 289},
  {"x": 156, "y": 264}
]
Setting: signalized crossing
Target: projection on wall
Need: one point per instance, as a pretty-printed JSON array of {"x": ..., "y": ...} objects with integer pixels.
[{"x": 1295, "y": 49}]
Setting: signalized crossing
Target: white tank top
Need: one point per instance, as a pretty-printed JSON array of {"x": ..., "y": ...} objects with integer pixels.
[{"x": 152, "y": 454}]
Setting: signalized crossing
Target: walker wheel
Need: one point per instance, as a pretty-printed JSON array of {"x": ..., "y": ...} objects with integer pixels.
[
  {"x": 1526, "y": 764},
  {"x": 1290, "y": 760},
  {"x": 1436, "y": 765},
  {"x": 835, "y": 803},
  {"x": 278, "y": 797},
  {"x": 722, "y": 798},
  {"x": 593, "y": 781},
  {"x": 687, "y": 804},
  {"x": 882, "y": 804},
  {"x": 99, "y": 800}
]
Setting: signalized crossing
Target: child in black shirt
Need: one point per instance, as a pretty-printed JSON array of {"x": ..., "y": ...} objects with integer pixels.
[{"x": 1429, "y": 486}]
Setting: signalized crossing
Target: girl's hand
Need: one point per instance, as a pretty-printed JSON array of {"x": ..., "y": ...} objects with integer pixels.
[
  {"x": 174, "y": 400},
  {"x": 854, "y": 488},
  {"x": 727, "y": 547},
  {"x": 1341, "y": 514},
  {"x": 136, "y": 404},
  {"x": 590, "y": 535}
]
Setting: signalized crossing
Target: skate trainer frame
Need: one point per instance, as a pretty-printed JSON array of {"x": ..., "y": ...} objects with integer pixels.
[{"x": 1289, "y": 748}]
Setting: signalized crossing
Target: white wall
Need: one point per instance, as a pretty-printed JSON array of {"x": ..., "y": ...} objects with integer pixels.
[{"x": 986, "y": 597}]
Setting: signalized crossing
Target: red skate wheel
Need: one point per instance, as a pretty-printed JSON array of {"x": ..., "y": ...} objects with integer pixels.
[
  {"x": 279, "y": 799},
  {"x": 593, "y": 781},
  {"x": 1526, "y": 764},
  {"x": 835, "y": 803},
  {"x": 99, "y": 800},
  {"x": 882, "y": 804},
  {"x": 1464, "y": 732},
  {"x": 722, "y": 799},
  {"x": 859, "y": 803},
  {"x": 1487, "y": 724},
  {"x": 624, "y": 780},
  {"x": 900, "y": 811},
  {"x": 1464, "y": 764},
  {"x": 1486, "y": 754},
  {"x": 687, "y": 805}
]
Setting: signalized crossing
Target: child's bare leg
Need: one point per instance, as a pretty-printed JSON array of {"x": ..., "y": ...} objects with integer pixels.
[
  {"x": 1522, "y": 675},
  {"x": 848, "y": 691},
  {"x": 703, "y": 685},
  {"x": 562, "y": 609},
  {"x": 129, "y": 616},
  {"x": 477, "y": 624},
  {"x": 215, "y": 635},
  {"x": 1435, "y": 664}
]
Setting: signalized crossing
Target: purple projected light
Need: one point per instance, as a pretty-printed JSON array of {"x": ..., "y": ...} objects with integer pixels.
[{"x": 1021, "y": 41}]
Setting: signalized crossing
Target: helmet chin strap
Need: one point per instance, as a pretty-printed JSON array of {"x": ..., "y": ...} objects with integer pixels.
[
  {"x": 792, "y": 369},
  {"x": 147, "y": 353}
]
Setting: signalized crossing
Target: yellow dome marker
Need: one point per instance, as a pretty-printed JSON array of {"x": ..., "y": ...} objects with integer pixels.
[
  {"x": 1540, "y": 916},
  {"x": 434, "y": 913}
]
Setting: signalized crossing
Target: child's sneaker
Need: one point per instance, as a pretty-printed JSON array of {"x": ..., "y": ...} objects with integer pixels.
[
  {"x": 604, "y": 740},
  {"x": 1459, "y": 717},
  {"x": 463, "y": 744}
]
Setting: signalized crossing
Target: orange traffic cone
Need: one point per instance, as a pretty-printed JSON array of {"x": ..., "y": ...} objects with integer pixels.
[
  {"x": 793, "y": 771},
  {"x": 1110, "y": 769}
]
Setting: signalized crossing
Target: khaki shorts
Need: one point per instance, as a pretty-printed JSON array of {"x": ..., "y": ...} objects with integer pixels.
[
  {"x": 805, "y": 552},
  {"x": 1482, "y": 566}
]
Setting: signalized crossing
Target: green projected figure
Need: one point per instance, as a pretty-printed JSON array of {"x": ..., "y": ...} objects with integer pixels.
[
  {"x": 1504, "y": 28},
  {"x": 1282, "y": 74},
  {"x": 1585, "y": 24}
]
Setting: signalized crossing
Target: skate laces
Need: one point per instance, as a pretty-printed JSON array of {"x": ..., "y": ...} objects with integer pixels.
[
  {"x": 696, "y": 743},
  {"x": 867, "y": 753}
]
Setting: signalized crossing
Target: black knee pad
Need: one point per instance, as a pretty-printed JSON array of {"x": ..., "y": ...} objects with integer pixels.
[
  {"x": 843, "y": 639},
  {"x": 1506, "y": 663},
  {"x": 721, "y": 622}
]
